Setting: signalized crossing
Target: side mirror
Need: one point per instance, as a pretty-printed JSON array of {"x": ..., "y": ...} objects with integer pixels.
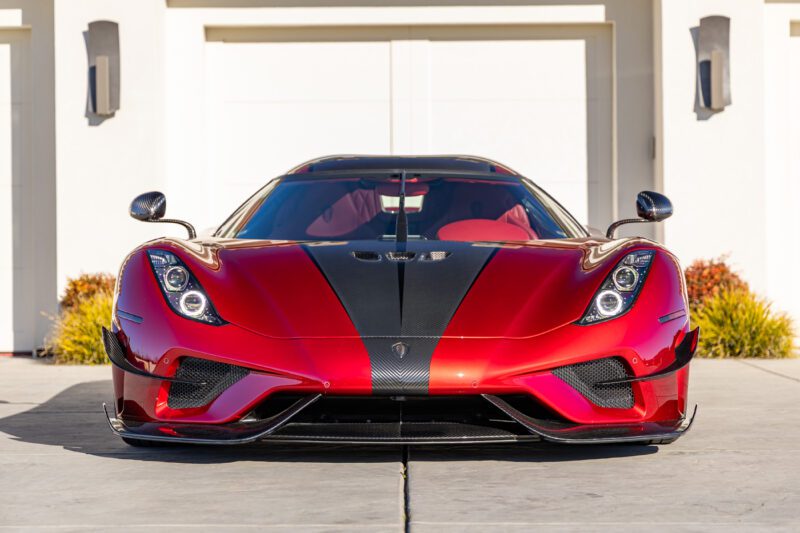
[
  {"x": 149, "y": 207},
  {"x": 152, "y": 206},
  {"x": 650, "y": 207}
]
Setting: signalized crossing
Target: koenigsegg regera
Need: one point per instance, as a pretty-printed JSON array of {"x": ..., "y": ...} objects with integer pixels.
[{"x": 400, "y": 300}]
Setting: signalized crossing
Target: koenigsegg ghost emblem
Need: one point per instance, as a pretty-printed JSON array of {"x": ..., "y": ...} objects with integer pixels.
[{"x": 400, "y": 349}]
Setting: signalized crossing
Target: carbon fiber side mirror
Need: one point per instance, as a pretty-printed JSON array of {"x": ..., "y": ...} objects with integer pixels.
[
  {"x": 152, "y": 206},
  {"x": 149, "y": 206}
]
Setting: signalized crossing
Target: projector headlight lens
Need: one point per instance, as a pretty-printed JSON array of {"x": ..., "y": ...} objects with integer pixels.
[
  {"x": 625, "y": 278},
  {"x": 176, "y": 278},
  {"x": 609, "y": 303},
  {"x": 180, "y": 288},
  {"x": 620, "y": 289},
  {"x": 193, "y": 303}
]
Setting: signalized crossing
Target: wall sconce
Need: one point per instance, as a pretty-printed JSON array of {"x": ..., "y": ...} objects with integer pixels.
[
  {"x": 102, "y": 45},
  {"x": 713, "y": 58}
]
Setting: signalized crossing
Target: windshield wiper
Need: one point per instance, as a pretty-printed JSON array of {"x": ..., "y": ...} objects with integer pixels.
[{"x": 402, "y": 219}]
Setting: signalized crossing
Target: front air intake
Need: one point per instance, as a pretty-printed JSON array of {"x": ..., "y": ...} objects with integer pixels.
[
  {"x": 213, "y": 378},
  {"x": 584, "y": 377}
]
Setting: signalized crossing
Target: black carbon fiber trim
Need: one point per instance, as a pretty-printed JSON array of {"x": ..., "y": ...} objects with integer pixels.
[
  {"x": 152, "y": 206},
  {"x": 647, "y": 432},
  {"x": 409, "y": 302},
  {"x": 216, "y": 377},
  {"x": 149, "y": 206},
  {"x": 116, "y": 354},
  {"x": 587, "y": 377},
  {"x": 392, "y": 432},
  {"x": 235, "y": 433}
]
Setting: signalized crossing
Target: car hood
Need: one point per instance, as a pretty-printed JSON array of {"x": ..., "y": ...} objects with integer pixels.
[{"x": 419, "y": 289}]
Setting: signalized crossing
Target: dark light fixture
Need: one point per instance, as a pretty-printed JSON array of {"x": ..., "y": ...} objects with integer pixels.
[
  {"x": 713, "y": 62},
  {"x": 102, "y": 44}
]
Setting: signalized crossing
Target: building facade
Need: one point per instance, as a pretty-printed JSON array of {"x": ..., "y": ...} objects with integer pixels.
[{"x": 593, "y": 100}]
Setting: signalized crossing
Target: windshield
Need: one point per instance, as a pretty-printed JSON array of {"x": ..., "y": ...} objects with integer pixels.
[{"x": 368, "y": 208}]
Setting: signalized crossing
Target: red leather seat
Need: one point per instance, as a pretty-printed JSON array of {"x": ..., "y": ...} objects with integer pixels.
[
  {"x": 517, "y": 216},
  {"x": 481, "y": 229}
]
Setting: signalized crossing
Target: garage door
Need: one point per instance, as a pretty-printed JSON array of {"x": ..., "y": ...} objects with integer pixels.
[
  {"x": 17, "y": 315},
  {"x": 538, "y": 98}
]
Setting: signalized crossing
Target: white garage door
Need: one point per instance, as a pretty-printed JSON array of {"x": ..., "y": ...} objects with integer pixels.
[
  {"x": 537, "y": 98},
  {"x": 17, "y": 314}
]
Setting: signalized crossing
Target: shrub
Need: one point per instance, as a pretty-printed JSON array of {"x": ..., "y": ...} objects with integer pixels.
[
  {"x": 736, "y": 323},
  {"x": 707, "y": 278},
  {"x": 85, "y": 309},
  {"x": 86, "y": 286},
  {"x": 77, "y": 336}
]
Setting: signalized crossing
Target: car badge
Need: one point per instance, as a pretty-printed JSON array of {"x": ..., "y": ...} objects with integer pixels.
[{"x": 400, "y": 349}]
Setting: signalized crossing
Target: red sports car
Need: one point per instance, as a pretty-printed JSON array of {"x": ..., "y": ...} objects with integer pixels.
[{"x": 400, "y": 300}]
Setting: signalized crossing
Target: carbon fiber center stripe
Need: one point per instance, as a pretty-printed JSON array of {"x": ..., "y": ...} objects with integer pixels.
[{"x": 400, "y": 308}]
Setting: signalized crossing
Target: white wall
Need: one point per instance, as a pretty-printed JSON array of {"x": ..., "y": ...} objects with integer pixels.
[
  {"x": 190, "y": 132},
  {"x": 160, "y": 137},
  {"x": 782, "y": 145},
  {"x": 713, "y": 168},
  {"x": 102, "y": 167}
]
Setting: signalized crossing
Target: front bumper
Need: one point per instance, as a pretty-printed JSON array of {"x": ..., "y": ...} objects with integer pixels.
[{"x": 281, "y": 427}]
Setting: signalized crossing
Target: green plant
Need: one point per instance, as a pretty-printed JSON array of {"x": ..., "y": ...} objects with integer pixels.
[
  {"x": 705, "y": 278},
  {"x": 86, "y": 286},
  {"x": 737, "y": 323},
  {"x": 76, "y": 336}
]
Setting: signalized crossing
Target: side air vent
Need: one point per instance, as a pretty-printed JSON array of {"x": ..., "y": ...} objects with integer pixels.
[
  {"x": 366, "y": 256},
  {"x": 585, "y": 376},
  {"x": 433, "y": 256},
  {"x": 216, "y": 377},
  {"x": 401, "y": 256}
]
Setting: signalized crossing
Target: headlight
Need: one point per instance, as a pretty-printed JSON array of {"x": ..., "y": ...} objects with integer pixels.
[
  {"x": 176, "y": 278},
  {"x": 620, "y": 289},
  {"x": 181, "y": 289}
]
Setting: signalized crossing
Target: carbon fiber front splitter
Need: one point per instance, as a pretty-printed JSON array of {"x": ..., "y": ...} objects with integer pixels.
[
  {"x": 648, "y": 432},
  {"x": 280, "y": 428},
  {"x": 236, "y": 433}
]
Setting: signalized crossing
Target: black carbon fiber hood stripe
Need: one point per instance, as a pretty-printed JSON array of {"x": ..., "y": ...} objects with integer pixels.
[{"x": 409, "y": 301}]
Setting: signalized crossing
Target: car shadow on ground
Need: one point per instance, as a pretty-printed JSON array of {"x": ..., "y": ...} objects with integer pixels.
[{"x": 74, "y": 420}]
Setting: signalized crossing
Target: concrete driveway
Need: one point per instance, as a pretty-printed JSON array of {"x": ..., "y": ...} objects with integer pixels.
[{"x": 738, "y": 469}]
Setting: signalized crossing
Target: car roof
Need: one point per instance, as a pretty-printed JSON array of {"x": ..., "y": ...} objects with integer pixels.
[{"x": 449, "y": 163}]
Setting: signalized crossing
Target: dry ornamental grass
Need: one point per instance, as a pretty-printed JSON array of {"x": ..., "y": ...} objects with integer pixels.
[
  {"x": 737, "y": 323},
  {"x": 76, "y": 337}
]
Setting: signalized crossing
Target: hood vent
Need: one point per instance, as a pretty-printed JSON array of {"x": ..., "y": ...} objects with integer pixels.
[
  {"x": 401, "y": 256},
  {"x": 366, "y": 256},
  {"x": 433, "y": 256}
]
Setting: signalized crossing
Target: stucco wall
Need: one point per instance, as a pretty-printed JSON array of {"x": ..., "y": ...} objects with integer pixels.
[
  {"x": 733, "y": 176},
  {"x": 102, "y": 165},
  {"x": 190, "y": 177},
  {"x": 782, "y": 152},
  {"x": 712, "y": 167}
]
